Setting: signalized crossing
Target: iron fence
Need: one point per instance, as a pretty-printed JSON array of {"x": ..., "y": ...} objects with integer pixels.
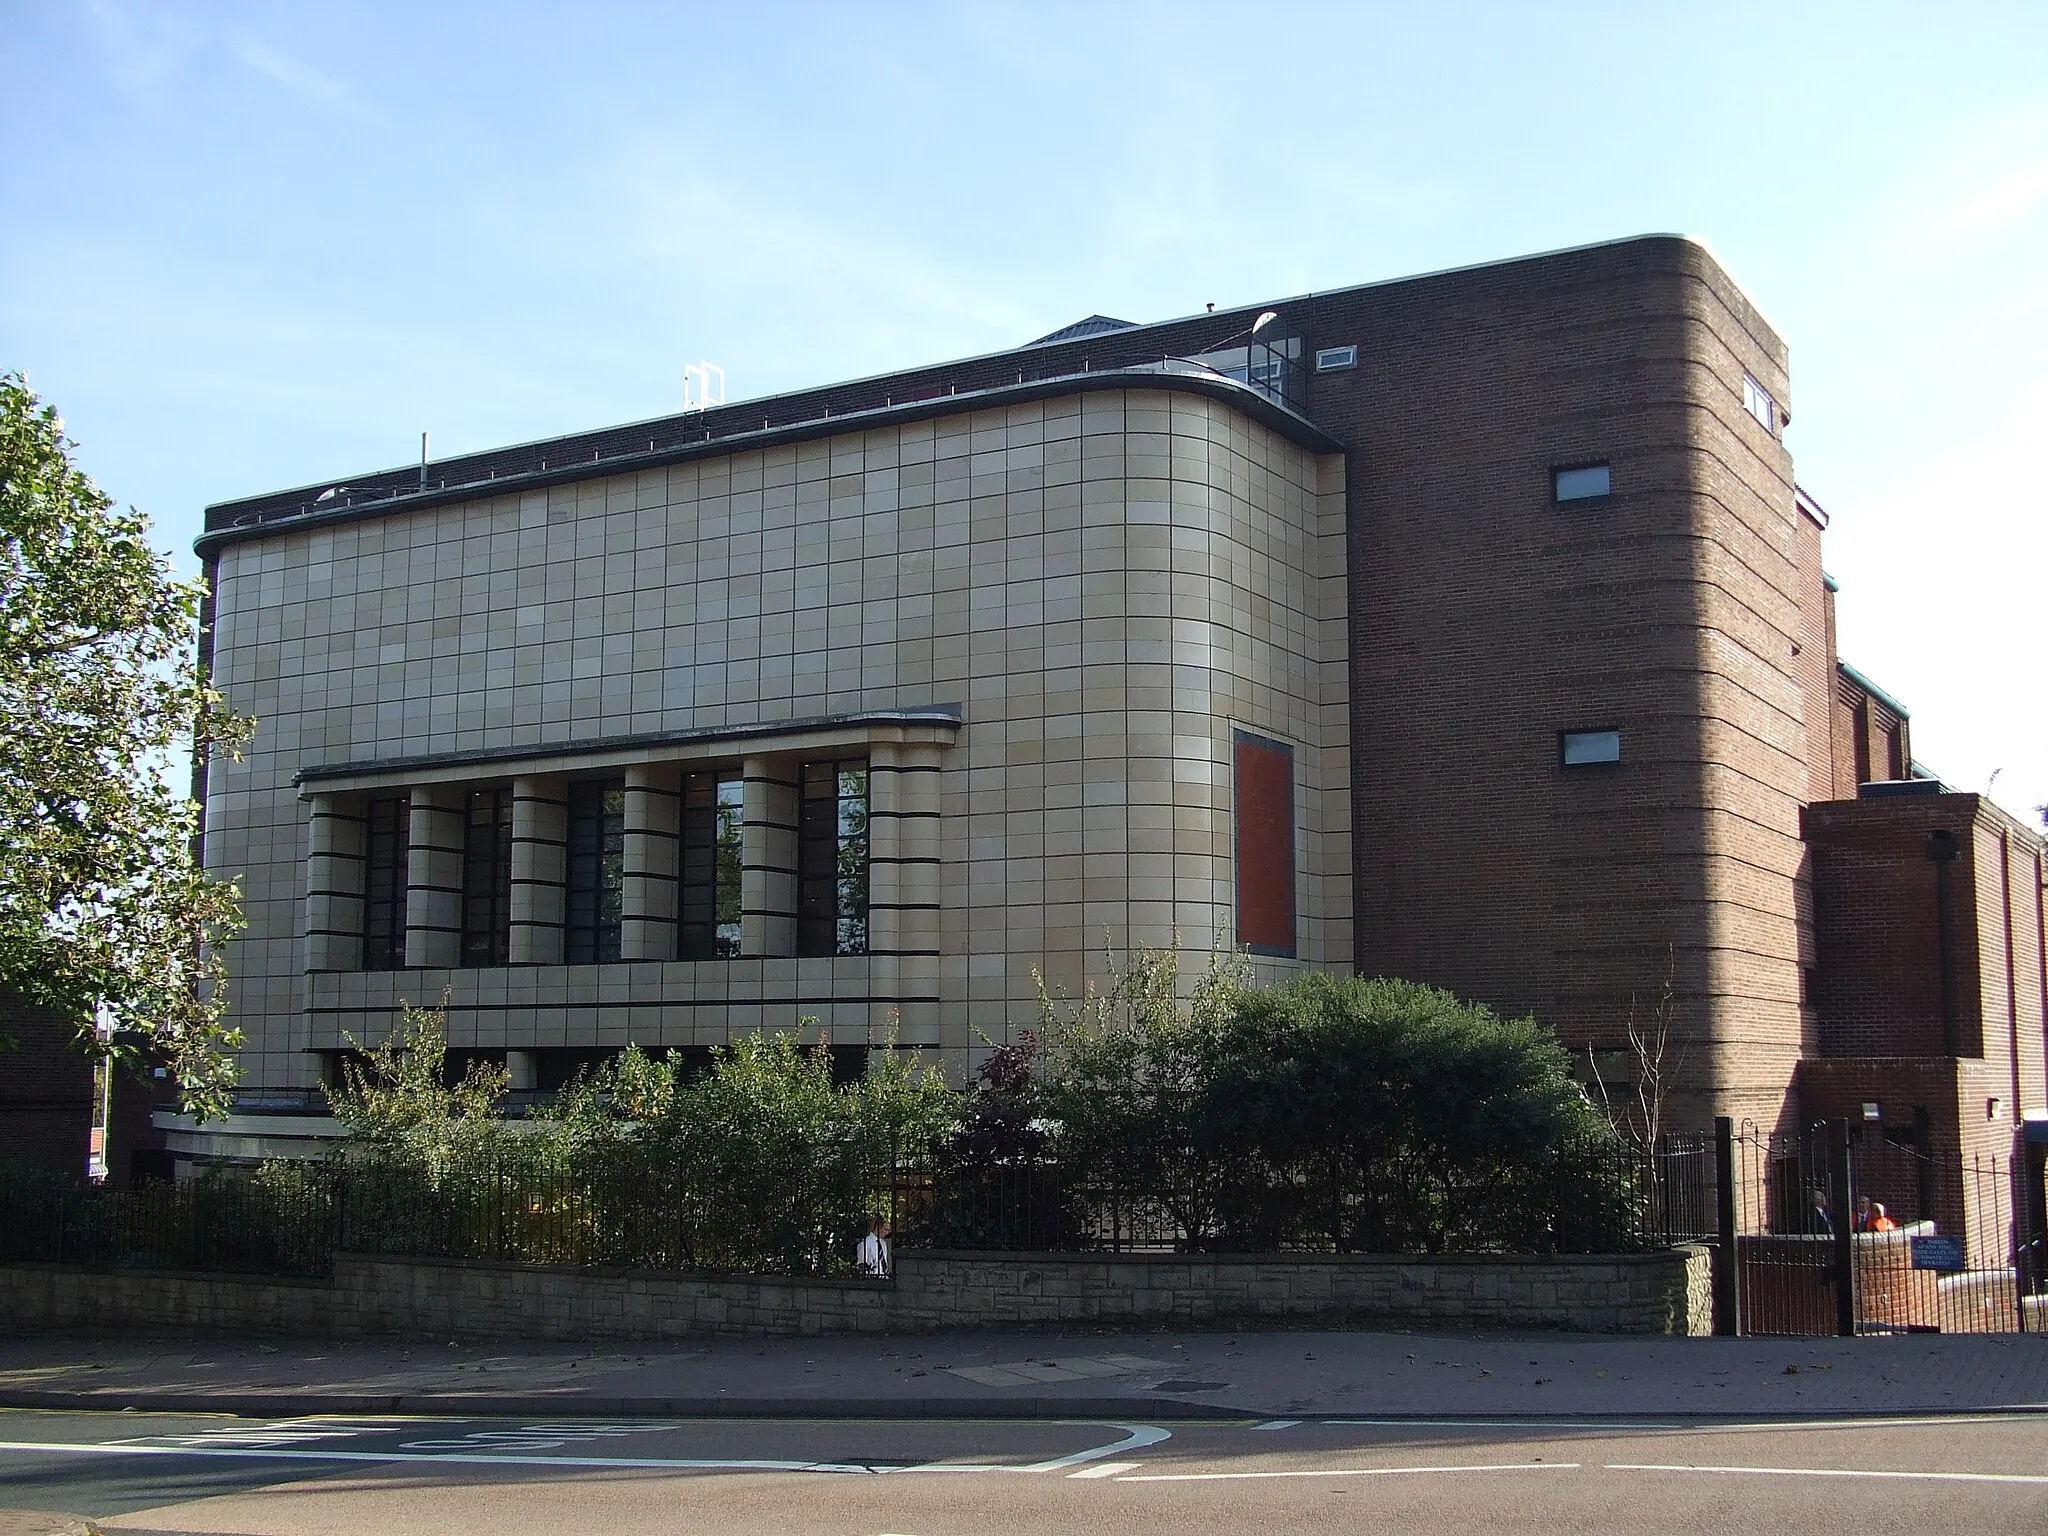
[
  {"x": 1840, "y": 1230},
  {"x": 291, "y": 1219},
  {"x": 238, "y": 1225}
]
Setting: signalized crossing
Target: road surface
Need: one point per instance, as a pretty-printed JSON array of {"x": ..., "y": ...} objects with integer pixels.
[{"x": 135, "y": 1473}]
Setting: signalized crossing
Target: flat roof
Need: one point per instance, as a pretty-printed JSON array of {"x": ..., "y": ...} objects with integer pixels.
[
  {"x": 385, "y": 501},
  {"x": 382, "y": 492}
]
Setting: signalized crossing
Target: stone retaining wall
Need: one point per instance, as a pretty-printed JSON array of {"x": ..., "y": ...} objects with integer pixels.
[{"x": 932, "y": 1292}]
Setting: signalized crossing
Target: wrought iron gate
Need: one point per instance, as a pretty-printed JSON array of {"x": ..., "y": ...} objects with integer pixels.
[{"x": 1837, "y": 1230}]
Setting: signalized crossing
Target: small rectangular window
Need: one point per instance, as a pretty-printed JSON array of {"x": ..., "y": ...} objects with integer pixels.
[
  {"x": 1330, "y": 359},
  {"x": 1758, "y": 402},
  {"x": 1581, "y": 482},
  {"x": 714, "y": 813},
  {"x": 832, "y": 860},
  {"x": 597, "y": 871},
  {"x": 1578, "y": 749},
  {"x": 385, "y": 879}
]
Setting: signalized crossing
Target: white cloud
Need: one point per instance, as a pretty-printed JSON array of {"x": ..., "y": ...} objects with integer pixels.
[
  {"x": 305, "y": 82},
  {"x": 1997, "y": 209}
]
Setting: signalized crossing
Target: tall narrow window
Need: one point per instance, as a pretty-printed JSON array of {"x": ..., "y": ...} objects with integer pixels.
[
  {"x": 597, "y": 870},
  {"x": 1264, "y": 816},
  {"x": 384, "y": 880},
  {"x": 832, "y": 860},
  {"x": 714, "y": 811},
  {"x": 487, "y": 879}
]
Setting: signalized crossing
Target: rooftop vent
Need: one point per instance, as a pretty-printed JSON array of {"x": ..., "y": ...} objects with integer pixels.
[{"x": 1094, "y": 325}]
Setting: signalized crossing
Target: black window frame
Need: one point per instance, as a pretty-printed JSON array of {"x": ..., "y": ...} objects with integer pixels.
[
  {"x": 833, "y": 854},
  {"x": 710, "y": 858},
  {"x": 1559, "y": 471},
  {"x": 593, "y": 904},
  {"x": 387, "y": 860},
  {"x": 487, "y": 877},
  {"x": 1565, "y": 738}
]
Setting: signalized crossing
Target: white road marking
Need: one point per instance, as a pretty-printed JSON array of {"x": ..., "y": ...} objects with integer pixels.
[
  {"x": 1234, "y": 1477},
  {"x": 1107, "y": 1469},
  {"x": 1135, "y": 1436},
  {"x": 1849, "y": 1472},
  {"x": 629, "y": 1463},
  {"x": 1280, "y": 1424},
  {"x": 1715, "y": 1425}
]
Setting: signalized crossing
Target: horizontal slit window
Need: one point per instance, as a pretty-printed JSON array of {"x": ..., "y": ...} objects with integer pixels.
[
  {"x": 1582, "y": 749},
  {"x": 1581, "y": 482}
]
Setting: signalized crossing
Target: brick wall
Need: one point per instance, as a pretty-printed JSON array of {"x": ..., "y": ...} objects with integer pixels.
[
  {"x": 1870, "y": 740},
  {"x": 45, "y": 1090},
  {"x": 1655, "y": 1293},
  {"x": 1878, "y": 987},
  {"x": 1486, "y": 619}
]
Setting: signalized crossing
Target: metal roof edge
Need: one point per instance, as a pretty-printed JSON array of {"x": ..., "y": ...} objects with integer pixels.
[
  {"x": 1296, "y": 428},
  {"x": 1873, "y": 690}
]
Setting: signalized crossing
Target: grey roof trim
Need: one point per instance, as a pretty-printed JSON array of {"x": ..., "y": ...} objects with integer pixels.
[
  {"x": 1297, "y": 429},
  {"x": 943, "y": 715},
  {"x": 1874, "y": 691},
  {"x": 1809, "y": 506}
]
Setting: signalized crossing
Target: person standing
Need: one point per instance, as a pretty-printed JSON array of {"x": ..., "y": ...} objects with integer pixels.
[{"x": 871, "y": 1257}]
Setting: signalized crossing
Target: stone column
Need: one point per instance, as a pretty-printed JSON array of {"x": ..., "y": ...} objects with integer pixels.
[
  {"x": 647, "y": 903},
  {"x": 768, "y": 858},
  {"x": 519, "y": 1071},
  {"x": 334, "y": 885},
  {"x": 903, "y": 885},
  {"x": 433, "y": 897},
  {"x": 540, "y": 869}
]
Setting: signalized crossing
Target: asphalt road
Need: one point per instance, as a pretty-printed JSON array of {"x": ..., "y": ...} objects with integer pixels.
[{"x": 138, "y": 1473}]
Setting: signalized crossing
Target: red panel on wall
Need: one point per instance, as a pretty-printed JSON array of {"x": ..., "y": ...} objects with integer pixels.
[{"x": 1265, "y": 845}]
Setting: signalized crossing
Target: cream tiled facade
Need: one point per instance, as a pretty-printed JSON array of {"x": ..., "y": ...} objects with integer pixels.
[{"x": 1041, "y": 623}]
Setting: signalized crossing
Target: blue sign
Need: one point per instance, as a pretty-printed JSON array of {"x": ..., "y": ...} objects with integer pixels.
[{"x": 1938, "y": 1253}]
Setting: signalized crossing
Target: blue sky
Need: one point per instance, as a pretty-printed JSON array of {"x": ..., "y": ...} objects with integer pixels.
[{"x": 250, "y": 246}]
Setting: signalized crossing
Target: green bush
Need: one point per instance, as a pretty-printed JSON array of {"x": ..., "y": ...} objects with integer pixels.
[{"x": 1359, "y": 1115}]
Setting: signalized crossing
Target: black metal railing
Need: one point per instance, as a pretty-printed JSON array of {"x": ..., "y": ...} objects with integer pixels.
[{"x": 291, "y": 1218}]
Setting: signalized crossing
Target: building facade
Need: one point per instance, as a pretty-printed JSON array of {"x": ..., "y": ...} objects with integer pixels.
[{"x": 1468, "y": 627}]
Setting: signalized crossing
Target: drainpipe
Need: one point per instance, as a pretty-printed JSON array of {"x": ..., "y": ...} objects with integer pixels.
[{"x": 1941, "y": 847}]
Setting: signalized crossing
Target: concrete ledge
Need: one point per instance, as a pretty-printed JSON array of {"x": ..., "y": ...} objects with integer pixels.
[{"x": 932, "y": 1292}]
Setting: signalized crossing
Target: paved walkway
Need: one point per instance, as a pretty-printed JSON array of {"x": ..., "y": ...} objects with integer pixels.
[{"x": 1157, "y": 1375}]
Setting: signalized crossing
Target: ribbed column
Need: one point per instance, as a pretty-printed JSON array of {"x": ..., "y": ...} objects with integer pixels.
[
  {"x": 647, "y": 901},
  {"x": 540, "y": 867},
  {"x": 334, "y": 885},
  {"x": 768, "y": 858},
  {"x": 433, "y": 897},
  {"x": 903, "y": 885}
]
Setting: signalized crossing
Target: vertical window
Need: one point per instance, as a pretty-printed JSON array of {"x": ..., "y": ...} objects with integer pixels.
[
  {"x": 388, "y": 851},
  {"x": 597, "y": 870},
  {"x": 487, "y": 879},
  {"x": 1264, "y": 819},
  {"x": 1758, "y": 402},
  {"x": 832, "y": 860},
  {"x": 714, "y": 812}
]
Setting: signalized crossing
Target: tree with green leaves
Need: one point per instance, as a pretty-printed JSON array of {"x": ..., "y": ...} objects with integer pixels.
[{"x": 105, "y": 912}]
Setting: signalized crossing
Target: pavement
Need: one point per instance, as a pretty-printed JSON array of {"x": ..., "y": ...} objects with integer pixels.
[{"x": 1082, "y": 1374}]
